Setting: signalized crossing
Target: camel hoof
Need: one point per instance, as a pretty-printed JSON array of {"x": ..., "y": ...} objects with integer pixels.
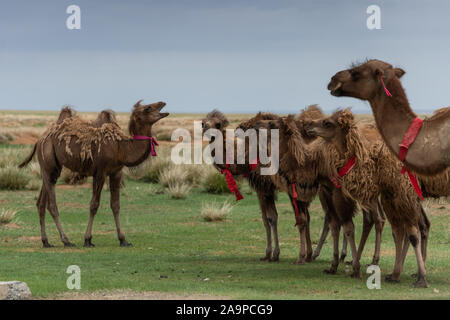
[
  {"x": 330, "y": 271},
  {"x": 266, "y": 258},
  {"x": 47, "y": 245},
  {"x": 389, "y": 278},
  {"x": 125, "y": 244},
  {"x": 274, "y": 259},
  {"x": 69, "y": 244},
  {"x": 88, "y": 243},
  {"x": 422, "y": 283}
]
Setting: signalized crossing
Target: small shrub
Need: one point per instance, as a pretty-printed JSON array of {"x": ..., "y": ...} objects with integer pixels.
[
  {"x": 7, "y": 216},
  {"x": 35, "y": 169},
  {"x": 153, "y": 172},
  {"x": 178, "y": 190},
  {"x": 5, "y": 138},
  {"x": 13, "y": 178},
  {"x": 172, "y": 175},
  {"x": 214, "y": 182},
  {"x": 34, "y": 184},
  {"x": 72, "y": 178},
  {"x": 213, "y": 211}
]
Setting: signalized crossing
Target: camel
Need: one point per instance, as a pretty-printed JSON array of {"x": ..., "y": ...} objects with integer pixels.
[
  {"x": 375, "y": 173},
  {"x": 91, "y": 151},
  {"x": 265, "y": 186},
  {"x": 379, "y": 83},
  {"x": 339, "y": 208}
]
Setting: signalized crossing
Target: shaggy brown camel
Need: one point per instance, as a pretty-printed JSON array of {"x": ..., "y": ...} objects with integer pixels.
[
  {"x": 265, "y": 187},
  {"x": 339, "y": 209},
  {"x": 374, "y": 173},
  {"x": 98, "y": 152},
  {"x": 429, "y": 154}
]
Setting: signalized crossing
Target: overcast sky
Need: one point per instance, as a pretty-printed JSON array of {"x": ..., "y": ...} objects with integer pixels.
[{"x": 235, "y": 55}]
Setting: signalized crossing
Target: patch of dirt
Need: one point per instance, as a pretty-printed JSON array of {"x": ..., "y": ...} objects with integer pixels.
[
  {"x": 29, "y": 239},
  {"x": 12, "y": 225},
  {"x": 71, "y": 187},
  {"x": 132, "y": 295},
  {"x": 26, "y": 138},
  {"x": 74, "y": 205},
  {"x": 104, "y": 232}
]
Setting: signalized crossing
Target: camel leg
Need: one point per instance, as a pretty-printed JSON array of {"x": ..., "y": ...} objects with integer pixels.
[
  {"x": 415, "y": 239},
  {"x": 349, "y": 233},
  {"x": 49, "y": 185},
  {"x": 380, "y": 220},
  {"x": 114, "y": 187},
  {"x": 308, "y": 235},
  {"x": 398, "y": 234},
  {"x": 335, "y": 231},
  {"x": 262, "y": 205},
  {"x": 325, "y": 199},
  {"x": 323, "y": 236},
  {"x": 302, "y": 222},
  {"x": 367, "y": 227},
  {"x": 344, "y": 249},
  {"x": 97, "y": 187},
  {"x": 424, "y": 231},
  {"x": 41, "y": 205},
  {"x": 272, "y": 218}
]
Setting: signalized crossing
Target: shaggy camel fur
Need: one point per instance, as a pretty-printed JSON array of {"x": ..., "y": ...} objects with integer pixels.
[
  {"x": 339, "y": 209},
  {"x": 91, "y": 151},
  {"x": 430, "y": 152},
  {"x": 375, "y": 173},
  {"x": 265, "y": 187}
]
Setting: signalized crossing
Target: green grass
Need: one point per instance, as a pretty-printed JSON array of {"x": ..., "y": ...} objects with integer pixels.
[{"x": 171, "y": 239}]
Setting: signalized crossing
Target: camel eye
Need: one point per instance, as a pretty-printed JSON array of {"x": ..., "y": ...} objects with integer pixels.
[
  {"x": 355, "y": 75},
  {"x": 326, "y": 124},
  {"x": 148, "y": 110},
  {"x": 217, "y": 125}
]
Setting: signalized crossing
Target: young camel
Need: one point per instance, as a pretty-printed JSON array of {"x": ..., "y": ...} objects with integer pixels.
[
  {"x": 339, "y": 209},
  {"x": 429, "y": 154},
  {"x": 265, "y": 186},
  {"x": 98, "y": 152},
  {"x": 374, "y": 173}
]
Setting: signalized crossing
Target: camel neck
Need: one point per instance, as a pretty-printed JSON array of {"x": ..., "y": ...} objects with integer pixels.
[
  {"x": 393, "y": 115},
  {"x": 134, "y": 152}
]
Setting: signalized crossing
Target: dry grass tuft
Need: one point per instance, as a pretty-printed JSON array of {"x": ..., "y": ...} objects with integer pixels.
[
  {"x": 7, "y": 215},
  {"x": 178, "y": 190},
  {"x": 12, "y": 178},
  {"x": 213, "y": 211},
  {"x": 173, "y": 175}
]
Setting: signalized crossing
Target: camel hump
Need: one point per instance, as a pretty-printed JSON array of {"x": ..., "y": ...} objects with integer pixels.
[
  {"x": 312, "y": 112},
  {"x": 65, "y": 113},
  {"x": 105, "y": 116}
]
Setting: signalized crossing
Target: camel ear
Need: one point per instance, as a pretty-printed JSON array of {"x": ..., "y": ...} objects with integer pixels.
[
  {"x": 346, "y": 119},
  {"x": 379, "y": 72},
  {"x": 137, "y": 104},
  {"x": 399, "y": 72}
]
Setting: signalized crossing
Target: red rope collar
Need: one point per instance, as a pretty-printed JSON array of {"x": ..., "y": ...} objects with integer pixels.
[
  {"x": 343, "y": 171},
  {"x": 231, "y": 183},
  {"x": 153, "y": 142},
  {"x": 409, "y": 138},
  {"x": 294, "y": 202}
]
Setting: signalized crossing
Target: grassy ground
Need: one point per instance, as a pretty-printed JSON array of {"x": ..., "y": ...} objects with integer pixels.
[{"x": 176, "y": 251}]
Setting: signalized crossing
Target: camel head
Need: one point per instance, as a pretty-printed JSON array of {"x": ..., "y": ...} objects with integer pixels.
[
  {"x": 256, "y": 120},
  {"x": 363, "y": 81},
  {"x": 215, "y": 120},
  {"x": 144, "y": 116},
  {"x": 334, "y": 127}
]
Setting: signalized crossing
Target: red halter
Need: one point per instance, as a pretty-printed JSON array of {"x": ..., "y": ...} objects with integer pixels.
[
  {"x": 343, "y": 171},
  {"x": 409, "y": 138},
  {"x": 153, "y": 143}
]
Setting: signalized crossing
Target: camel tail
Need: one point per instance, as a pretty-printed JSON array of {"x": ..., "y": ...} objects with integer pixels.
[{"x": 29, "y": 158}]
